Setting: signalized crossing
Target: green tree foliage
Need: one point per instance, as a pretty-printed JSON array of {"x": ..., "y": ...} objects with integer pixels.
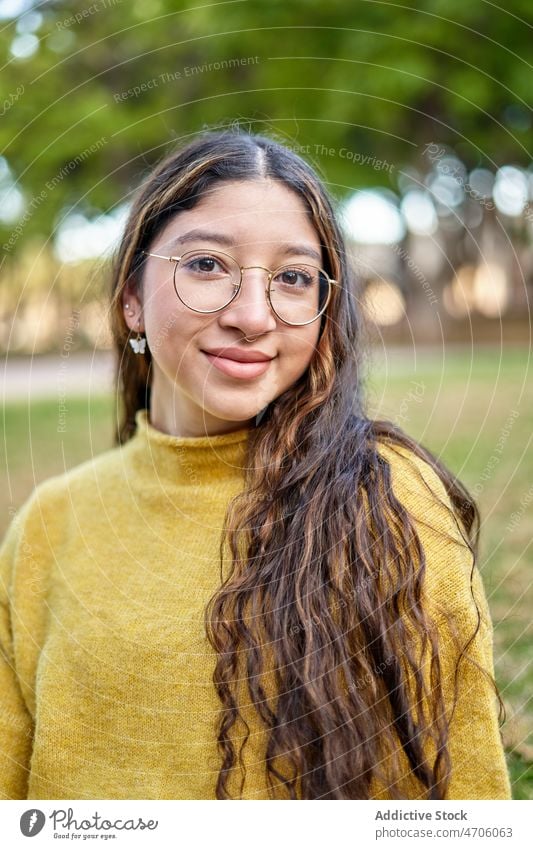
[{"x": 362, "y": 86}]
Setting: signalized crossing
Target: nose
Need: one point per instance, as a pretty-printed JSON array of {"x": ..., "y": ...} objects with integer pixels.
[{"x": 250, "y": 311}]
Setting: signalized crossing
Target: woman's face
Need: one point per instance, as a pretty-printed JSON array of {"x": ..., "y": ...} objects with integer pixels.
[{"x": 259, "y": 223}]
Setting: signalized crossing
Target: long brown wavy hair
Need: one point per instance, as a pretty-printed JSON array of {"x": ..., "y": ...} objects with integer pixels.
[{"x": 326, "y": 568}]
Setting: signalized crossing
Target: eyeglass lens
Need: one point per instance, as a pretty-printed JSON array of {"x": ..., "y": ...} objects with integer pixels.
[{"x": 208, "y": 281}]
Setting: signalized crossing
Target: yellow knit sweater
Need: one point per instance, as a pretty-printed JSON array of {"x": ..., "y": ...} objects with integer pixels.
[{"x": 105, "y": 671}]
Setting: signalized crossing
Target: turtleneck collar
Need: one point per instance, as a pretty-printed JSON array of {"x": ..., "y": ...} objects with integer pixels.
[{"x": 187, "y": 459}]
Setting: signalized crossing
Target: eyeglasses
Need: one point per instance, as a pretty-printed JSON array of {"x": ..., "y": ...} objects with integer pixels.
[{"x": 207, "y": 281}]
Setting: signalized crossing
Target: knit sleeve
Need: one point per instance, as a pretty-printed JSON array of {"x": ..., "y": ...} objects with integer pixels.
[
  {"x": 455, "y": 599},
  {"x": 16, "y": 725}
]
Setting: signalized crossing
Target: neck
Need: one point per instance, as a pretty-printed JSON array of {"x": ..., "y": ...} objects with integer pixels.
[{"x": 166, "y": 459}]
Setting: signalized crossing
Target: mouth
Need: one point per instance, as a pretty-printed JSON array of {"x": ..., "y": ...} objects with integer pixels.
[{"x": 237, "y": 368}]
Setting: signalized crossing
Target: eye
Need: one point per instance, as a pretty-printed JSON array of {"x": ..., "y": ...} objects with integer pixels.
[
  {"x": 297, "y": 278},
  {"x": 204, "y": 264}
]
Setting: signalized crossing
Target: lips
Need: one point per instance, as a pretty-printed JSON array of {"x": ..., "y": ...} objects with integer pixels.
[
  {"x": 255, "y": 364},
  {"x": 240, "y": 356}
]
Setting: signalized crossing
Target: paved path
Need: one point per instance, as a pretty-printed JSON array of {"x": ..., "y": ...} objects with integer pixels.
[{"x": 51, "y": 376}]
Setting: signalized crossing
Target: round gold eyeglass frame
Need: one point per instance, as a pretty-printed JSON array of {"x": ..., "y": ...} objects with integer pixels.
[{"x": 238, "y": 287}]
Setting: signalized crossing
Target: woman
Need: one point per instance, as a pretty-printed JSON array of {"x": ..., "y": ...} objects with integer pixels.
[{"x": 259, "y": 592}]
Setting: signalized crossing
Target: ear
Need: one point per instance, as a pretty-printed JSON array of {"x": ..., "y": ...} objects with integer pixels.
[{"x": 132, "y": 308}]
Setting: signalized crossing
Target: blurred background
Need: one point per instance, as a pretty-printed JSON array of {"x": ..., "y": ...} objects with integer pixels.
[{"x": 420, "y": 123}]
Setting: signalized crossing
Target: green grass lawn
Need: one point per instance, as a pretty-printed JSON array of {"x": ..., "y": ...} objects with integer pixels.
[{"x": 474, "y": 410}]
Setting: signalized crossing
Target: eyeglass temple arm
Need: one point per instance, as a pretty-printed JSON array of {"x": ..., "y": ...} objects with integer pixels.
[{"x": 159, "y": 256}]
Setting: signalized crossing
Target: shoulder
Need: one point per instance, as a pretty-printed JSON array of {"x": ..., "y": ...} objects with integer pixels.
[
  {"x": 452, "y": 582},
  {"x": 417, "y": 482},
  {"x": 421, "y": 490},
  {"x": 103, "y": 468},
  {"x": 46, "y": 510},
  {"x": 58, "y": 514}
]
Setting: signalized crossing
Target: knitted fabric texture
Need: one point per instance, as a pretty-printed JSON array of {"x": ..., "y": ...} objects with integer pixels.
[{"x": 106, "y": 687}]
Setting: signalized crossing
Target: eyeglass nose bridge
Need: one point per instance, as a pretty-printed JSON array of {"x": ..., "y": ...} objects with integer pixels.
[
  {"x": 238, "y": 286},
  {"x": 262, "y": 267}
]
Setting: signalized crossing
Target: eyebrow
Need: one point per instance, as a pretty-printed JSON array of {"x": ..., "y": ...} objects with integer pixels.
[{"x": 285, "y": 249}]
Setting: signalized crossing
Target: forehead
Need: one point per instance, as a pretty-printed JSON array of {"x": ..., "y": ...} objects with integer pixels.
[
  {"x": 248, "y": 194},
  {"x": 249, "y": 211}
]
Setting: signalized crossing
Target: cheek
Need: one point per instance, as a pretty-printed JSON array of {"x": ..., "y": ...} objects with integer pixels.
[
  {"x": 167, "y": 334},
  {"x": 174, "y": 335},
  {"x": 299, "y": 350}
]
